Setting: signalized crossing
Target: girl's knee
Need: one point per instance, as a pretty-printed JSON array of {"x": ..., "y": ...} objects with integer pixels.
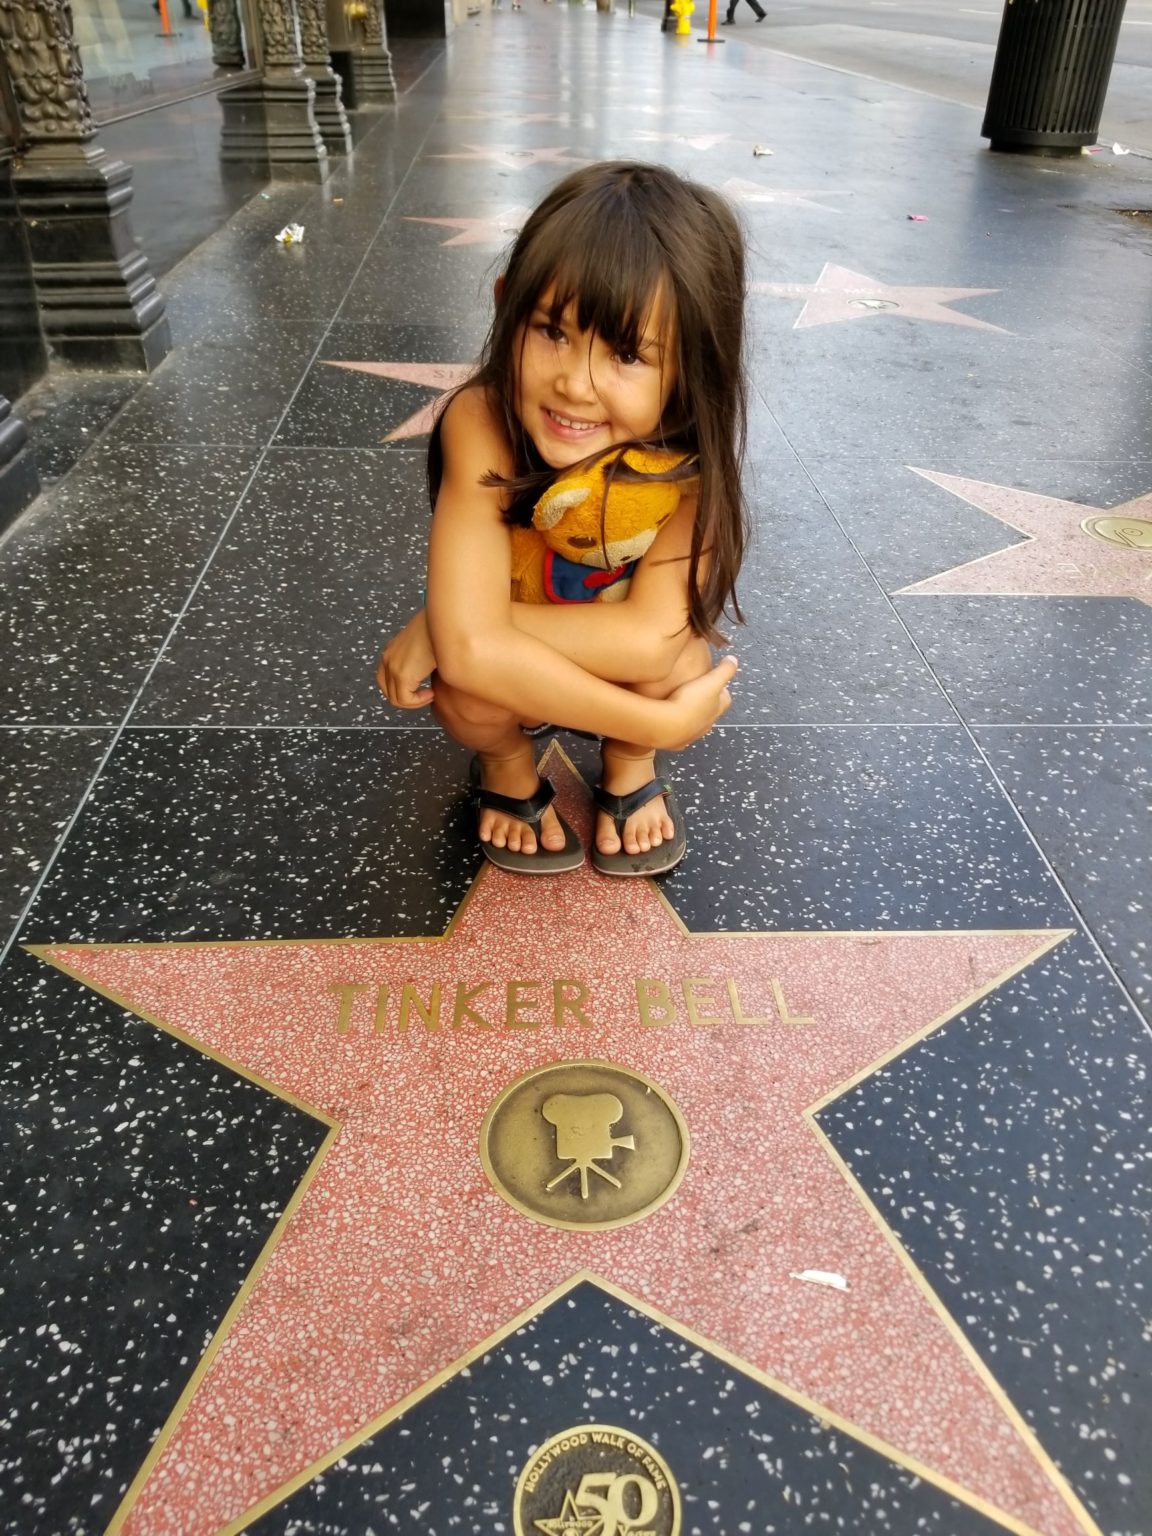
[
  {"x": 452, "y": 707},
  {"x": 693, "y": 661}
]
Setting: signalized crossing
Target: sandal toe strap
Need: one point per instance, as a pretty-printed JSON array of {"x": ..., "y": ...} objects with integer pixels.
[
  {"x": 529, "y": 811},
  {"x": 620, "y": 807}
]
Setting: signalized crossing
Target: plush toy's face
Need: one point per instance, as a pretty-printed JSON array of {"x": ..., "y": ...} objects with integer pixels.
[
  {"x": 569, "y": 517},
  {"x": 580, "y": 524}
]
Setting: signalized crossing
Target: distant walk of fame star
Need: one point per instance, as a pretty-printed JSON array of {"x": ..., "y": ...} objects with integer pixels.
[
  {"x": 680, "y": 110},
  {"x": 700, "y": 141},
  {"x": 1073, "y": 549},
  {"x": 782, "y": 197},
  {"x": 841, "y": 294},
  {"x": 494, "y": 230},
  {"x": 441, "y": 377},
  {"x": 508, "y": 117},
  {"x": 397, "y": 1261},
  {"x": 512, "y": 156}
]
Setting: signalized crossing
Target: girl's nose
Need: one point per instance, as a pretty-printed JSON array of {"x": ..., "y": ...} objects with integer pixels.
[{"x": 575, "y": 379}]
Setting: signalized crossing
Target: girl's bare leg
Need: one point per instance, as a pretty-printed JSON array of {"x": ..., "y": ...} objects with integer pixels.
[
  {"x": 625, "y": 767},
  {"x": 507, "y": 762}
]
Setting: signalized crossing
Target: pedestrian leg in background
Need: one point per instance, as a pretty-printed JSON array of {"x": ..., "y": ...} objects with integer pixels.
[{"x": 730, "y": 19}]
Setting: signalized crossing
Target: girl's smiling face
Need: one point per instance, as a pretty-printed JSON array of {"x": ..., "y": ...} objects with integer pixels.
[{"x": 577, "y": 395}]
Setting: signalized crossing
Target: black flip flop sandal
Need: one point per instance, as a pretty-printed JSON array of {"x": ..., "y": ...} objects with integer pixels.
[
  {"x": 545, "y": 861},
  {"x": 657, "y": 861}
]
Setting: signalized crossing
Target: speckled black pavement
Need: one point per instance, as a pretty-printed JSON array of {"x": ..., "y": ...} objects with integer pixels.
[{"x": 934, "y": 731}]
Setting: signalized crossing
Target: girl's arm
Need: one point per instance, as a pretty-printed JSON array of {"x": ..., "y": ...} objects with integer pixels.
[{"x": 479, "y": 649}]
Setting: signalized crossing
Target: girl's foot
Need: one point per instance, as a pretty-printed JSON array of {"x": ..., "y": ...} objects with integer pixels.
[
  {"x": 645, "y": 829},
  {"x": 517, "y": 778}
]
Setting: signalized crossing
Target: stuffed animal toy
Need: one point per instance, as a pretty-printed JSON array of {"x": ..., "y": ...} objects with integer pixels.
[{"x": 592, "y": 525}]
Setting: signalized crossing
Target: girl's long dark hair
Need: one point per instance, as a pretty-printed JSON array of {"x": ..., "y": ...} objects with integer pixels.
[{"x": 622, "y": 241}]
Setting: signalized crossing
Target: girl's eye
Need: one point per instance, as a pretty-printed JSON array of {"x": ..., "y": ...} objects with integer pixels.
[
  {"x": 628, "y": 358},
  {"x": 551, "y": 332}
]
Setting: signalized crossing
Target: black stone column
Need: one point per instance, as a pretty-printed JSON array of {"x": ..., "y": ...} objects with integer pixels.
[
  {"x": 330, "y": 116},
  {"x": 19, "y": 481},
  {"x": 23, "y": 358},
  {"x": 371, "y": 62},
  {"x": 271, "y": 121},
  {"x": 227, "y": 36},
  {"x": 360, "y": 51},
  {"x": 99, "y": 305}
]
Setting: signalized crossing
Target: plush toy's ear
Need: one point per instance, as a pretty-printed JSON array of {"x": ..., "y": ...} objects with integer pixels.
[{"x": 552, "y": 507}]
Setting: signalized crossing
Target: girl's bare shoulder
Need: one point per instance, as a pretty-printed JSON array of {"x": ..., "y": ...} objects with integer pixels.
[{"x": 471, "y": 430}]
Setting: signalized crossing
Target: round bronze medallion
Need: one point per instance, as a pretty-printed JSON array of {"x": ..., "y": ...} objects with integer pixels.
[
  {"x": 873, "y": 305},
  {"x": 596, "y": 1480},
  {"x": 584, "y": 1144},
  {"x": 1129, "y": 532}
]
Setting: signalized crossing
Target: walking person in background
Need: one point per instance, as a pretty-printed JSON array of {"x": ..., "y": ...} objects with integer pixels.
[{"x": 730, "y": 19}]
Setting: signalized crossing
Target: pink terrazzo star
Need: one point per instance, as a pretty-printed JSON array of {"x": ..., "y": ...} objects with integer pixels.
[
  {"x": 703, "y": 141},
  {"x": 513, "y": 157},
  {"x": 397, "y": 1257},
  {"x": 841, "y": 294},
  {"x": 782, "y": 197},
  {"x": 496, "y": 229},
  {"x": 441, "y": 377},
  {"x": 507, "y": 117},
  {"x": 1062, "y": 557},
  {"x": 677, "y": 111}
]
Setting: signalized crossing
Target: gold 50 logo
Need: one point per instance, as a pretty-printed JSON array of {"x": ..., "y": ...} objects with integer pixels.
[{"x": 596, "y": 1480}]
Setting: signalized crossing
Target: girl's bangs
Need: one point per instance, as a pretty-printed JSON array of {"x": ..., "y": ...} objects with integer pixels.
[{"x": 611, "y": 270}]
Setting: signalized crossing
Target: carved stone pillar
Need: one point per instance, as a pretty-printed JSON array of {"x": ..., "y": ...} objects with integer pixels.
[
  {"x": 330, "y": 116},
  {"x": 99, "y": 305},
  {"x": 227, "y": 37},
  {"x": 271, "y": 121},
  {"x": 19, "y": 482},
  {"x": 371, "y": 62}
]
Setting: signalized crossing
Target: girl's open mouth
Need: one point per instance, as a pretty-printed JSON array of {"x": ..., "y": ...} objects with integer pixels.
[{"x": 570, "y": 426}]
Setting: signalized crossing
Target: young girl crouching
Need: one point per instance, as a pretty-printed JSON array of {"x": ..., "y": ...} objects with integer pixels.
[{"x": 619, "y": 321}]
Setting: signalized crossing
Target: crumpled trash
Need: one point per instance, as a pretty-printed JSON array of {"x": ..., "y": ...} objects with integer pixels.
[
  {"x": 918, "y": 218},
  {"x": 291, "y": 234},
  {"x": 1120, "y": 149},
  {"x": 761, "y": 149},
  {"x": 822, "y": 1277}
]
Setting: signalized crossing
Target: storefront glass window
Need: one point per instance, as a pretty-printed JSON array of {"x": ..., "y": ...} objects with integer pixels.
[{"x": 139, "y": 53}]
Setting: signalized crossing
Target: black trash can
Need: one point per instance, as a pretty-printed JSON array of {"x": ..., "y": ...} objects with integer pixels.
[{"x": 1051, "y": 74}]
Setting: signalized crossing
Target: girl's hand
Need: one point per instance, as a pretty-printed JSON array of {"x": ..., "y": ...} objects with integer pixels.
[
  {"x": 406, "y": 661},
  {"x": 699, "y": 704}
]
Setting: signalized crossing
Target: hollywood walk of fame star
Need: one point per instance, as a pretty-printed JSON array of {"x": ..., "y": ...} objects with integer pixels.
[
  {"x": 396, "y": 1260},
  {"x": 508, "y": 117},
  {"x": 701, "y": 141},
  {"x": 841, "y": 294},
  {"x": 680, "y": 110},
  {"x": 782, "y": 197},
  {"x": 493, "y": 230},
  {"x": 1072, "y": 549},
  {"x": 441, "y": 377},
  {"x": 513, "y": 157}
]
